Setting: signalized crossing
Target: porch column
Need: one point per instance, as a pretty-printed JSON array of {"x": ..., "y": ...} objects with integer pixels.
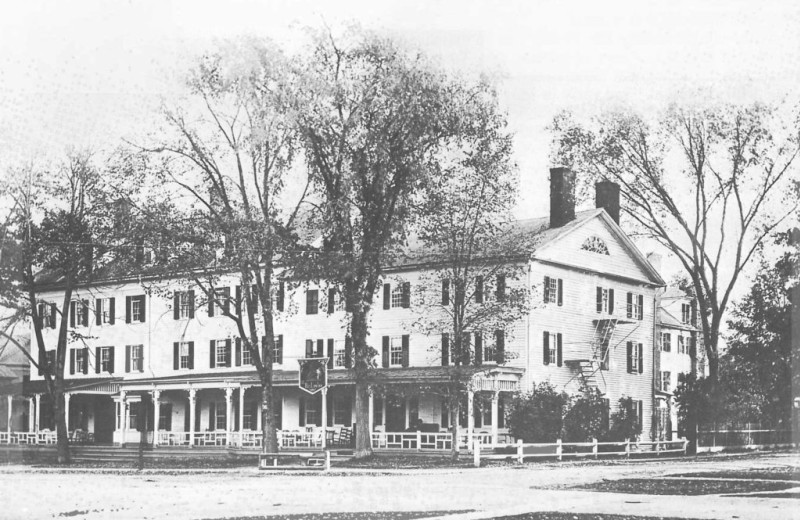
[
  {"x": 258, "y": 415},
  {"x": 30, "y": 414},
  {"x": 371, "y": 411},
  {"x": 406, "y": 401},
  {"x": 228, "y": 414},
  {"x": 241, "y": 410},
  {"x": 495, "y": 415},
  {"x": 192, "y": 405},
  {"x": 10, "y": 399},
  {"x": 66, "y": 409},
  {"x": 324, "y": 414},
  {"x": 470, "y": 418},
  {"x": 156, "y": 413},
  {"x": 123, "y": 414},
  {"x": 38, "y": 415}
]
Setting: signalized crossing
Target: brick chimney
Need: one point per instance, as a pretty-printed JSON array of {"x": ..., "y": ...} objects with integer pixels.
[
  {"x": 562, "y": 196},
  {"x": 606, "y": 196}
]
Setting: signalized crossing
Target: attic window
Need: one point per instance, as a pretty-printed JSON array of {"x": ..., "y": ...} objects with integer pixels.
[{"x": 596, "y": 245}]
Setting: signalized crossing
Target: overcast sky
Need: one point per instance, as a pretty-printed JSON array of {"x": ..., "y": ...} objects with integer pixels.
[{"x": 83, "y": 73}]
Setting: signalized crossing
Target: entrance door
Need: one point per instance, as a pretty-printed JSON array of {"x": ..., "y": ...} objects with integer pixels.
[
  {"x": 104, "y": 419},
  {"x": 395, "y": 414}
]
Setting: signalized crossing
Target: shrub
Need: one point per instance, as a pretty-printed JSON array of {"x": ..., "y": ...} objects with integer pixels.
[
  {"x": 537, "y": 416},
  {"x": 623, "y": 422},
  {"x": 587, "y": 417}
]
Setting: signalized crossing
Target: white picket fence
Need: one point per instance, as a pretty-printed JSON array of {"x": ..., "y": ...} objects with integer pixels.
[{"x": 749, "y": 438}]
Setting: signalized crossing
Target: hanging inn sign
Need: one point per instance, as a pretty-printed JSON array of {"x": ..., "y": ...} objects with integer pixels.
[{"x": 313, "y": 374}]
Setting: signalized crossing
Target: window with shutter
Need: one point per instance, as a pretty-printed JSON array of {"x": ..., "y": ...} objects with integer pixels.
[
  {"x": 396, "y": 351},
  {"x": 312, "y": 301}
]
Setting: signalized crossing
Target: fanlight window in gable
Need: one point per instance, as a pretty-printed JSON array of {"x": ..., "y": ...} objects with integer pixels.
[{"x": 596, "y": 245}]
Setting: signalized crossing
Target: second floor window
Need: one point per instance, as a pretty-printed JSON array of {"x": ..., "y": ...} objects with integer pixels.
[
  {"x": 134, "y": 309},
  {"x": 312, "y": 301},
  {"x": 247, "y": 359},
  {"x": 221, "y": 352},
  {"x": 396, "y": 351},
  {"x": 183, "y": 305},
  {"x": 666, "y": 342},
  {"x": 553, "y": 290},
  {"x": 105, "y": 311},
  {"x": 339, "y": 354},
  {"x": 664, "y": 381},
  {"x": 81, "y": 363},
  {"x": 105, "y": 359},
  {"x": 681, "y": 345},
  {"x": 135, "y": 358},
  {"x": 635, "y": 306},
  {"x": 686, "y": 313},
  {"x": 47, "y": 315},
  {"x": 605, "y": 300},
  {"x": 635, "y": 358},
  {"x": 399, "y": 297},
  {"x": 184, "y": 355}
]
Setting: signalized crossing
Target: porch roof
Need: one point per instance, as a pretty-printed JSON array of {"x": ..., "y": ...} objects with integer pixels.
[{"x": 102, "y": 385}]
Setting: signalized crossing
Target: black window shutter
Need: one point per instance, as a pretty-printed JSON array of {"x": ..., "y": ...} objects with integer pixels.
[
  {"x": 501, "y": 287},
  {"x": 445, "y": 349},
  {"x": 500, "y": 349},
  {"x": 281, "y": 292},
  {"x": 630, "y": 305},
  {"x": 142, "y": 307},
  {"x": 611, "y": 301},
  {"x": 176, "y": 356},
  {"x": 111, "y": 360},
  {"x": 212, "y": 416},
  {"x": 53, "y": 315},
  {"x": 330, "y": 353},
  {"x": 279, "y": 355},
  {"x": 85, "y": 359},
  {"x": 387, "y": 296},
  {"x": 348, "y": 352},
  {"x": 191, "y": 354},
  {"x": 405, "y": 350},
  {"x": 85, "y": 304},
  {"x": 98, "y": 311},
  {"x": 546, "y": 291},
  {"x": 641, "y": 358},
  {"x": 191, "y": 304},
  {"x": 141, "y": 350},
  {"x": 238, "y": 352},
  {"x": 445, "y": 292},
  {"x": 127, "y": 309},
  {"x": 465, "y": 348},
  {"x": 212, "y": 295},
  {"x": 406, "y": 295},
  {"x": 560, "y": 295},
  {"x": 72, "y": 314},
  {"x": 238, "y": 300},
  {"x": 228, "y": 352},
  {"x": 558, "y": 349},
  {"x": 630, "y": 356},
  {"x": 599, "y": 299},
  {"x": 97, "y": 359},
  {"x": 320, "y": 348},
  {"x": 176, "y": 306},
  {"x": 479, "y": 289},
  {"x": 331, "y": 300},
  {"x": 445, "y": 414},
  {"x": 128, "y": 358},
  {"x": 546, "y": 348},
  {"x": 641, "y": 307},
  {"x": 72, "y": 361},
  {"x": 329, "y": 406},
  {"x": 385, "y": 353},
  {"x": 41, "y": 363},
  {"x": 212, "y": 355},
  {"x": 309, "y": 348},
  {"x": 302, "y": 418},
  {"x": 478, "y": 348}
]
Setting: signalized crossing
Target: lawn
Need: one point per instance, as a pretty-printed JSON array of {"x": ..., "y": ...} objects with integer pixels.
[
  {"x": 381, "y": 515},
  {"x": 785, "y": 473},
  {"x": 580, "y": 516},
  {"x": 684, "y": 487}
]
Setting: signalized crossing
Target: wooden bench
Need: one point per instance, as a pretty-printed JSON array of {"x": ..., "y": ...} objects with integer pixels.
[{"x": 293, "y": 460}]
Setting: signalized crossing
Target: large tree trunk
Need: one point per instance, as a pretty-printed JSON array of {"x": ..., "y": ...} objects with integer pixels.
[
  {"x": 455, "y": 418},
  {"x": 268, "y": 433},
  {"x": 62, "y": 436},
  {"x": 361, "y": 364}
]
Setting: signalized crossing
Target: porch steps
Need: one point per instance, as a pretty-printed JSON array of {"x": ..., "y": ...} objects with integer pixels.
[{"x": 128, "y": 453}]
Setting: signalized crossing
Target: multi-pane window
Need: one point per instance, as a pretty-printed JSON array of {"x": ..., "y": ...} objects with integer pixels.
[
  {"x": 635, "y": 306},
  {"x": 396, "y": 351},
  {"x": 137, "y": 310},
  {"x": 184, "y": 304},
  {"x": 80, "y": 360},
  {"x": 339, "y": 354},
  {"x": 248, "y": 418},
  {"x": 665, "y": 382},
  {"x": 45, "y": 317},
  {"x": 488, "y": 351},
  {"x": 341, "y": 410},
  {"x": 686, "y": 313},
  {"x": 635, "y": 358},
  {"x": 136, "y": 357},
  {"x": 681, "y": 345},
  {"x": 220, "y": 352},
  {"x": 397, "y": 296},
  {"x": 183, "y": 350},
  {"x": 312, "y": 410},
  {"x": 605, "y": 300},
  {"x": 104, "y": 310},
  {"x": 550, "y": 290},
  {"x": 666, "y": 342},
  {"x": 277, "y": 355},
  {"x": 552, "y": 347},
  {"x": 312, "y": 301},
  {"x": 247, "y": 359},
  {"x": 133, "y": 415},
  {"x": 80, "y": 313},
  {"x": 105, "y": 359},
  {"x": 220, "y": 416}
]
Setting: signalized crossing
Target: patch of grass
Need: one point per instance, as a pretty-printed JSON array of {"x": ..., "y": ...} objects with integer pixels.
[
  {"x": 684, "y": 487},
  {"x": 751, "y": 473},
  {"x": 791, "y": 494},
  {"x": 379, "y": 515}
]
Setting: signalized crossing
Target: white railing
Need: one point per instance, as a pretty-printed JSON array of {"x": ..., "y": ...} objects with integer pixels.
[
  {"x": 559, "y": 450},
  {"x": 419, "y": 441},
  {"x": 166, "y": 438},
  {"x": 45, "y": 437},
  {"x": 299, "y": 439},
  {"x": 717, "y": 440}
]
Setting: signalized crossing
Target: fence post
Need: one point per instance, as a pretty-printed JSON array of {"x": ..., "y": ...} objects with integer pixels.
[
  {"x": 419, "y": 441},
  {"x": 519, "y": 451},
  {"x": 476, "y": 454},
  {"x": 627, "y": 448},
  {"x": 558, "y": 448},
  {"x": 327, "y": 460},
  {"x": 594, "y": 447},
  {"x": 685, "y": 445}
]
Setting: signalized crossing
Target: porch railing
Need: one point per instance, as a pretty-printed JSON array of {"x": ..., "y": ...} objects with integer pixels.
[{"x": 42, "y": 437}]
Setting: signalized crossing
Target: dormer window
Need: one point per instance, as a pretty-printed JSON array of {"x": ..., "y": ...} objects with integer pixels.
[{"x": 595, "y": 244}]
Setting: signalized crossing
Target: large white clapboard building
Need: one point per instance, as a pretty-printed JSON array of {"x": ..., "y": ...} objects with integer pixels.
[{"x": 594, "y": 324}]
